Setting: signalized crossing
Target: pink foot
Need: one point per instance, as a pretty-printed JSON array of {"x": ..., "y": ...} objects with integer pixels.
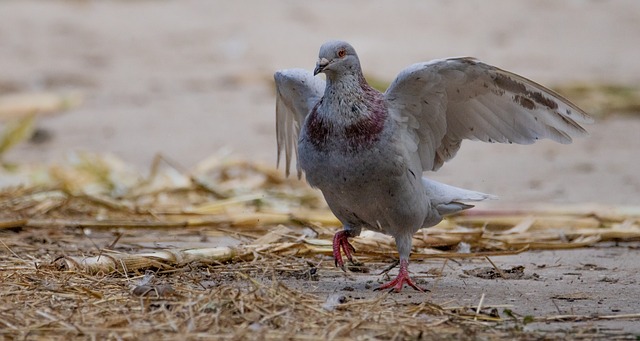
[
  {"x": 401, "y": 279},
  {"x": 341, "y": 241}
]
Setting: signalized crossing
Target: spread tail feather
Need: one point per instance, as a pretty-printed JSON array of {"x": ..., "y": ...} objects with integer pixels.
[
  {"x": 449, "y": 199},
  {"x": 451, "y": 208}
]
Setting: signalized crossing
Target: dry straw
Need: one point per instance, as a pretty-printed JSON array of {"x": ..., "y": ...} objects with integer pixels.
[{"x": 232, "y": 250}]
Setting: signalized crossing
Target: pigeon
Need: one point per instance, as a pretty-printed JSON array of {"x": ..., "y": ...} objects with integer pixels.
[{"x": 366, "y": 151}]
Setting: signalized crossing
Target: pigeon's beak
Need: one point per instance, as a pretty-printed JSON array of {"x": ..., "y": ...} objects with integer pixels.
[{"x": 322, "y": 63}]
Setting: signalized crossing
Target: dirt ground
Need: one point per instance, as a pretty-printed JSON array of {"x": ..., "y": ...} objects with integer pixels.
[
  {"x": 191, "y": 78},
  {"x": 595, "y": 281}
]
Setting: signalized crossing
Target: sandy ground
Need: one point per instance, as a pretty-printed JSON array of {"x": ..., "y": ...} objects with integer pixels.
[
  {"x": 553, "y": 284},
  {"x": 188, "y": 78}
]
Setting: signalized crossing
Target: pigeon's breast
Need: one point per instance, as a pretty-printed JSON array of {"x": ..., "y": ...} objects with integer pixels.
[
  {"x": 344, "y": 134},
  {"x": 328, "y": 150},
  {"x": 370, "y": 186},
  {"x": 363, "y": 133},
  {"x": 349, "y": 136}
]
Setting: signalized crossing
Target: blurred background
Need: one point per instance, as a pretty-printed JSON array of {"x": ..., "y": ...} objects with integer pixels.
[{"x": 192, "y": 78}]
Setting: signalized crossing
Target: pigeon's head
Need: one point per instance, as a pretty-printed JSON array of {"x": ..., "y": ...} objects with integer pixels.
[{"x": 336, "y": 58}]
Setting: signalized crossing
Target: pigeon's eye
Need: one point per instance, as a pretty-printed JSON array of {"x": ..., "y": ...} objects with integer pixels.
[{"x": 342, "y": 53}]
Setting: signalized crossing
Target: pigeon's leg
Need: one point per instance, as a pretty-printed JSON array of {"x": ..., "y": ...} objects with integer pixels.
[
  {"x": 402, "y": 278},
  {"x": 341, "y": 241},
  {"x": 404, "y": 248}
]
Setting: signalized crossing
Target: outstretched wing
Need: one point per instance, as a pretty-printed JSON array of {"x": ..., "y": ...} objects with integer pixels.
[
  {"x": 442, "y": 102},
  {"x": 298, "y": 91}
]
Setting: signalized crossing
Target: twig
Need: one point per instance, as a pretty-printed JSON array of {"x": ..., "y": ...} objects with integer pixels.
[
  {"x": 479, "y": 307},
  {"x": 495, "y": 267},
  {"x": 389, "y": 268},
  {"x": 13, "y": 253}
]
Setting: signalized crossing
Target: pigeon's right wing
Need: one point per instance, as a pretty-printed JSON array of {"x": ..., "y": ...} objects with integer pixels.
[
  {"x": 442, "y": 102},
  {"x": 298, "y": 91}
]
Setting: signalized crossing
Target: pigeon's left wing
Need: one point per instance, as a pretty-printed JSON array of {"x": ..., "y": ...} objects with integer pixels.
[
  {"x": 442, "y": 102},
  {"x": 298, "y": 91}
]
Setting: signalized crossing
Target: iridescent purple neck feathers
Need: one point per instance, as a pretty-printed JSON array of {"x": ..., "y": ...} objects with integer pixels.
[{"x": 351, "y": 111}]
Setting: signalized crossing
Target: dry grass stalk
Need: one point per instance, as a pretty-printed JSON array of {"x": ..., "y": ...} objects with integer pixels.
[
  {"x": 21, "y": 105},
  {"x": 222, "y": 241},
  {"x": 253, "y": 201}
]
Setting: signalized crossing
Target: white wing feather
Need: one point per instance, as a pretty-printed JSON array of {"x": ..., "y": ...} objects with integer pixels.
[
  {"x": 442, "y": 102},
  {"x": 297, "y": 92}
]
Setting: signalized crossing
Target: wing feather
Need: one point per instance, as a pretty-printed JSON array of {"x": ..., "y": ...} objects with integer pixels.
[
  {"x": 449, "y": 100},
  {"x": 297, "y": 92}
]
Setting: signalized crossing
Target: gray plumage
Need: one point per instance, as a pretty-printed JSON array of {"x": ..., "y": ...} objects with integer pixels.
[{"x": 366, "y": 151}]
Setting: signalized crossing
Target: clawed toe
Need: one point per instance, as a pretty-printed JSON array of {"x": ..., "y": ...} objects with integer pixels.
[
  {"x": 402, "y": 278},
  {"x": 341, "y": 243}
]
